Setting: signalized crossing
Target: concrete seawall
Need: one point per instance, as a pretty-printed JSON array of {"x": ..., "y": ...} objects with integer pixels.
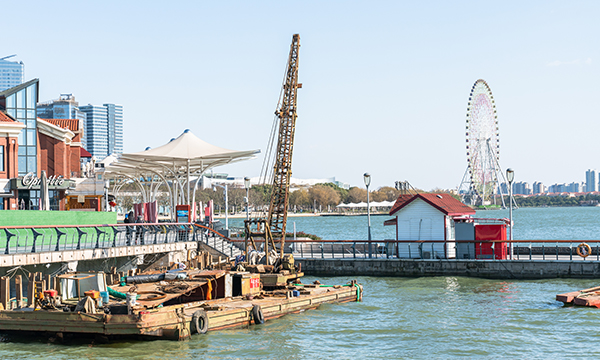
[{"x": 492, "y": 269}]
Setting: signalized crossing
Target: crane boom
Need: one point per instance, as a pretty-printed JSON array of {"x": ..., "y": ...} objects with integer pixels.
[
  {"x": 286, "y": 112},
  {"x": 273, "y": 226}
]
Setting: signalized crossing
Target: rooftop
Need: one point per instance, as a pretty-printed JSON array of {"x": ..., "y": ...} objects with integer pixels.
[{"x": 443, "y": 202}]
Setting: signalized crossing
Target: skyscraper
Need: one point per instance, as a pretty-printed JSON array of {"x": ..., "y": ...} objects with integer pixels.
[
  {"x": 591, "y": 180},
  {"x": 11, "y": 73},
  {"x": 65, "y": 107},
  {"x": 104, "y": 129}
]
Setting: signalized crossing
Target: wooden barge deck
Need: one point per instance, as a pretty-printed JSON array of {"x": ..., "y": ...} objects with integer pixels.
[
  {"x": 203, "y": 304},
  {"x": 586, "y": 297}
]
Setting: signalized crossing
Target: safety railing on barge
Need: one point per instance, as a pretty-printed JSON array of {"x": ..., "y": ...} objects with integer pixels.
[
  {"x": 445, "y": 250},
  {"x": 48, "y": 238}
]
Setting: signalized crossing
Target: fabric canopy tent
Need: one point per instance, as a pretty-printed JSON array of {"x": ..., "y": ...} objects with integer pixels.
[
  {"x": 173, "y": 164},
  {"x": 363, "y": 205}
]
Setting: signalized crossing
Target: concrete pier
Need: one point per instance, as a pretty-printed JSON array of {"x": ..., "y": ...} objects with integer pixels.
[{"x": 492, "y": 269}]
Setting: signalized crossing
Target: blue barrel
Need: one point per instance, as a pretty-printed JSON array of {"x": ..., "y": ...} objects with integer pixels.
[
  {"x": 104, "y": 297},
  {"x": 295, "y": 293}
]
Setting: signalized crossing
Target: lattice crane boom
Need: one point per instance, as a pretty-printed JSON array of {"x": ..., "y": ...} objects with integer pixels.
[{"x": 286, "y": 112}]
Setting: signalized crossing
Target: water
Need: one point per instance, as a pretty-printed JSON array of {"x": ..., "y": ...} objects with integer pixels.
[
  {"x": 439, "y": 317},
  {"x": 569, "y": 223}
]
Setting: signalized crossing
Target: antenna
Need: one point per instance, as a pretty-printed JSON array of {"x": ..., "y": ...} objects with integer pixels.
[{"x": 6, "y": 57}]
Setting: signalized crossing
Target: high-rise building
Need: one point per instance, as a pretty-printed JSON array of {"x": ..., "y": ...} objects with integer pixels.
[
  {"x": 11, "y": 73},
  {"x": 521, "y": 188},
  {"x": 538, "y": 187},
  {"x": 591, "y": 180},
  {"x": 115, "y": 128},
  {"x": 65, "y": 107},
  {"x": 104, "y": 129},
  {"x": 574, "y": 187}
]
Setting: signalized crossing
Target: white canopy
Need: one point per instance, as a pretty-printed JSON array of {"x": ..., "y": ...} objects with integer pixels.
[
  {"x": 363, "y": 205},
  {"x": 185, "y": 151},
  {"x": 173, "y": 164}
]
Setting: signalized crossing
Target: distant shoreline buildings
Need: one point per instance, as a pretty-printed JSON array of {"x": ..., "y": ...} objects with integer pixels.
[{"x": 591, "y": 185}]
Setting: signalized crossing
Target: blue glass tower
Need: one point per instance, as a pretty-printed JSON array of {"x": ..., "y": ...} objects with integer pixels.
[
  {"x": 104, "y": 129},
  {"x": 11, "y": 73},
  {"x": 20, "y": 103},
  {"x": 64, "y": 107}
]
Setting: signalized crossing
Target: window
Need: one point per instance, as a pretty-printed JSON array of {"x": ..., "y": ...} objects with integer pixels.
[{"x": 2, "y": 158}]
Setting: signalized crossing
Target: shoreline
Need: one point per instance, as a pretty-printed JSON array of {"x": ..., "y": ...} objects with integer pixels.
[{"x": 254, "y": 215}]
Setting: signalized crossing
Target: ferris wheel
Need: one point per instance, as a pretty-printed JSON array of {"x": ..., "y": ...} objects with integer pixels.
[{"x": 480, "y": 182}]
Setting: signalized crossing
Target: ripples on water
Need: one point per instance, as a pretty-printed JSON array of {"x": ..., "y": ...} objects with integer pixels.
[
  {"x": 553, "y": 223},
  {"x": 440, "y": 317}
]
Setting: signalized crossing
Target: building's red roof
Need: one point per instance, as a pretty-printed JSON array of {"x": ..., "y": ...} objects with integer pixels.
[
  {"x": 443, "y": 202},
  {"x": 6, "y": 118},
  {"x": 71, "y": 124},
  {"x": 84, "y": 153}
]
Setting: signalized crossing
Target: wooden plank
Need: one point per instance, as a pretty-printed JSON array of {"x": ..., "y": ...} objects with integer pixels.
[
  {"x": 19, "y": 290},
  {"x": 5, "y": 291},
  {"x": 30, "y": 289}
]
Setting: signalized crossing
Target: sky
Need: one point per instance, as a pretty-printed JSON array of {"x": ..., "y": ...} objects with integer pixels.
[{"x": 385, "y": 83}]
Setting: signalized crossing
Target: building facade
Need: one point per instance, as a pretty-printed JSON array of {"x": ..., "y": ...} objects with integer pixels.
[
  {"x": 539, "y": 188},
  {"x": 65, "y": 107},
  {"x": 29, "y": 145},
  {"x": 19, "y": 103},
  {"x": 104, "y": 129},
  {"x": 591, "y": 180},
  {"x": 11, "y": 73}
]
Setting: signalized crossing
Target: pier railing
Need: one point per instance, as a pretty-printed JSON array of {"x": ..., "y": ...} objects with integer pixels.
[
  {"x": 49, "y": 238},
  {"x": 444, "y": 250}
]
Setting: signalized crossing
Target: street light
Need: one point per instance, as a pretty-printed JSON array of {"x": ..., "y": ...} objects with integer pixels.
[
  {"x": 510, "y": 176},
  {"x": 224, "y": 186},
  {"x": 367, "y": 178},
  {"x": 247, "y": 187}
]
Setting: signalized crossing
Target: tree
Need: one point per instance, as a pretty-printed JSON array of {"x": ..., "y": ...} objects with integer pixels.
[
  {"x": 385, "y": 193},
  {"x": 300, "y": 198},
  {"x": 356, "y": 195},
  {"x": 324, "y": 195},
  {"x": 343, "y": 193}
]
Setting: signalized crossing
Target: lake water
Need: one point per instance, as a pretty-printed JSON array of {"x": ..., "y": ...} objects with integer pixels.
[
  {"x": 438, "y": 317},
  {"x": 552, "y": 223}
]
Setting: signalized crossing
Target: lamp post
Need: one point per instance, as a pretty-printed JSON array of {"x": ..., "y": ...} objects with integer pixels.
[
  {"x": 367, "y": 178},
  {"x": 226, "y": 206},
  {"x": 510, "y": 176},
  {"x": 247, "y": 186}
]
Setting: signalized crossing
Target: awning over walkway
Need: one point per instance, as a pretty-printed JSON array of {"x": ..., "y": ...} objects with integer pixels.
[{"x": 173, "y": 164}]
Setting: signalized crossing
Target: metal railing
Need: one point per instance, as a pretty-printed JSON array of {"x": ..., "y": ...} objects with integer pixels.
[
  {"x": 443, "y": 250},
  {"x": 45, "y": 238}
]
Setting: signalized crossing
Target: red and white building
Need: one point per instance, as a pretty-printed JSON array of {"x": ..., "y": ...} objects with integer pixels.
[{"x": 426, "y": 217}]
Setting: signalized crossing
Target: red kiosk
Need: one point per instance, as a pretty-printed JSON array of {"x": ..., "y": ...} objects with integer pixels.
[{"x": 488, "y": 250}]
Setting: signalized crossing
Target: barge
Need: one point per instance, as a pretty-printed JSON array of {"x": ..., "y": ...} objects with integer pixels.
[
  {"x": 171, "y": 305},
  {"x": 586, "y": 297}
]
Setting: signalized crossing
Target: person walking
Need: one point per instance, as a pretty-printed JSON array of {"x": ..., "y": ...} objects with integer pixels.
[
  {"x": 128, "y": 229},
  {"x": 138, "y": 229}
]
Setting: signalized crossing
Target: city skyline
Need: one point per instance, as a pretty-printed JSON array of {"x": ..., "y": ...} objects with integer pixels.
[{"x": 386, "y": 84}]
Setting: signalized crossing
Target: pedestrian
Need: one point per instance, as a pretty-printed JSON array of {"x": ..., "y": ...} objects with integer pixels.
[
  {"x": 128, "y": 229},
  {"x": 138, "y": 229}
]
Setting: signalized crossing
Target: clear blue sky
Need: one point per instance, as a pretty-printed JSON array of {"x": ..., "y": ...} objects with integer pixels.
[{"x": 386, "y": 83}]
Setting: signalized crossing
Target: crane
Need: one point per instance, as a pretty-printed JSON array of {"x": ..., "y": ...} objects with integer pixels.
[
  {"x": 8, "y": 57},
  {"x": 273, "y": 227}
]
